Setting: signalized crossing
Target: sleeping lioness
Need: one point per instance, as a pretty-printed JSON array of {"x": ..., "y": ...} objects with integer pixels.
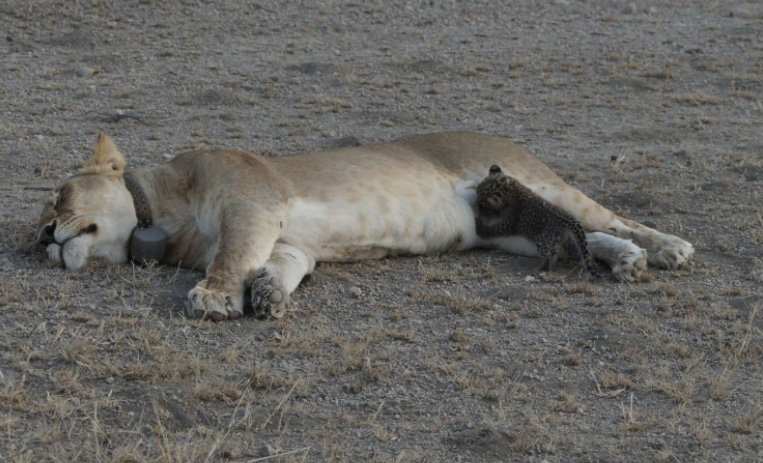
[{"x": 265, "y": 222}]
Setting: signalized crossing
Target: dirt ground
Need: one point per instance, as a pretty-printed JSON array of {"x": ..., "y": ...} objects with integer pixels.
[{"x": 653, "y": 108}]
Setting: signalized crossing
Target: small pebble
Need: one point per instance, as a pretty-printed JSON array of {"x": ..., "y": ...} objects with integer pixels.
[
  {"x": 84, "y": 71},
  {"x": 110, "y": 380},
  {"x": 267, "y": 450},
  {"x": 529, "y": 278},
  {"x": 356, "y": 292}
]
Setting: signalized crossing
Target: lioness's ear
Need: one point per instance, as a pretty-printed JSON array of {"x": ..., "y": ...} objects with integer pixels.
[{"x": 106, "y": 158}]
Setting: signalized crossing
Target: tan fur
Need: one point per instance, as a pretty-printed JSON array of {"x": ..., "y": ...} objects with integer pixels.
[
  {"x": 106, "y": 159},
  {"x": 249, "y": 220}
]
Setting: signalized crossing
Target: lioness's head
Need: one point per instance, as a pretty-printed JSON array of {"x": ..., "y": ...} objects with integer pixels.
[{"x": 91, "y": 214}]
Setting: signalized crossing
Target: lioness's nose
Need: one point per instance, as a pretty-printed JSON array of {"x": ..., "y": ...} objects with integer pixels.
[{"x": 46, "y": 237}]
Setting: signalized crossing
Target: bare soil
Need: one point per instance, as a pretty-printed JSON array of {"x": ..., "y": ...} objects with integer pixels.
[{"x": 653, "y": 108}]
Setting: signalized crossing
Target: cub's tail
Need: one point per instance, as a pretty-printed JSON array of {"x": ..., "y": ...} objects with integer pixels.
[{"x": 577, "y": 248}]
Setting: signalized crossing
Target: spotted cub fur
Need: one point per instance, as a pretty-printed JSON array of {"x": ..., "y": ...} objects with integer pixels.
[{"x": 506, "y": 207}]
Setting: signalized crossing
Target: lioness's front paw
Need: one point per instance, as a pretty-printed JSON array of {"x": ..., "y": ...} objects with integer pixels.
[
  {"x": 673, "y": 253},
  {"x": 269, "y": 297},
  {"x": 213, "y": 304},
  {"x": 54, "y": 252},
  {"x": 631, "y": 263}
]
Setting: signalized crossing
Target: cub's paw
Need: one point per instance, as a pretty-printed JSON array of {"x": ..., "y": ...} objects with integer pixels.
[
  {"x": 213, "y": 304},
  {"x": 269, "y": 297},
  {"x": 630, "y": 264},
  {"x": 671, "y": 253}
]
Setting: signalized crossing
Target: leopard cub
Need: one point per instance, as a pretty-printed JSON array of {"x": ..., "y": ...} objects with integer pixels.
[{"x": 506, "y": 207}]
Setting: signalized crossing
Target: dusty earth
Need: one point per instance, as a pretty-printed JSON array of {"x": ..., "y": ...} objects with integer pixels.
[{"x": 653, "y": 108}]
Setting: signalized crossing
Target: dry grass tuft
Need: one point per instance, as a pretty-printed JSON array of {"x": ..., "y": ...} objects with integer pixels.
[
  {"x": 79, "y": 351},
  {"x": 14, "y": 396},
  {"x": 612, "y": 380},
  {"x": 572, "y": 360},
  {"x": 583, "y": 287},
  {"x": 698, "y": 99},
  {"x": 566, "y": 403},
  {"x": 747, "y": 423},
  {"x": 460, "y": 305},
  {"x": 217, "y": 390},
  {"x": 529, "y": 435},
  {"x": 660, "y": 74},
  {"x": 262, "y": 376}
]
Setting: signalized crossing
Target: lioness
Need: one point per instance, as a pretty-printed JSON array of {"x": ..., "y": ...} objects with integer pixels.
[{"x": 265, "y": 222}]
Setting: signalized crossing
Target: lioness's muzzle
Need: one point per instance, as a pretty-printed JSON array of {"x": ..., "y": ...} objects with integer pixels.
[{"x": 47, "y": 234}]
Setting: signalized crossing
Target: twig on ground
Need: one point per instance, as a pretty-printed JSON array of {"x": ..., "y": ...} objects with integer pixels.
[
  {"x": 21, "y": 452},
  {"x": 610, "y": 394},
  {"x": 280, "y": 404}
]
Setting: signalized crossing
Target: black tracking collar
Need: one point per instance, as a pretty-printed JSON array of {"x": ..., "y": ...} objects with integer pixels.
[
  {"x": 142, "y": 208},
  {"x": 147, "y": 243}
]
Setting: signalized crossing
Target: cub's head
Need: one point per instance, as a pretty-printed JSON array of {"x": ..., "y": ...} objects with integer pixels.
[
  {"x": 490, "y": 195},
  {"x": 91, "y": 214}
]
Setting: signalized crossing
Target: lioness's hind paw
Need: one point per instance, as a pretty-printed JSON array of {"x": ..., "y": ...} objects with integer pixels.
[
  {"x": 269, "y": 297},
  {"x": 673, "y": 254},
  {"x": 212, "y": 304},
  {"x": 631, "y": 263}
]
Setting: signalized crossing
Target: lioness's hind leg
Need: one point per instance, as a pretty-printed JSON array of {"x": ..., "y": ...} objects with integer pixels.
[
  {"x": 273, "y": 283},
  {"x": 664, "y": 250}
]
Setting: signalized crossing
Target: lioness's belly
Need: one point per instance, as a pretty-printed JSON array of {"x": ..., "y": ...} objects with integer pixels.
[{"x": 374, "y": 219}]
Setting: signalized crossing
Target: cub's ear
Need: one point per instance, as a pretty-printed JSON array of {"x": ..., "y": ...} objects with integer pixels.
[{"x": 106, "y": 158}]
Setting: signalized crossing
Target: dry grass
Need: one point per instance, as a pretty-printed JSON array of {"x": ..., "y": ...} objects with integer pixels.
[
  {"x": 102, "y": 366},
  {"x": 446, "y": 299},
  {"x": 698, "y": 99}
]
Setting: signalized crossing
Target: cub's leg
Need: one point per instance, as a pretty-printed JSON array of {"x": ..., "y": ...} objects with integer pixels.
[
  {"x": 277, "y": 279},
  {"x": 492, "y": 230},
  {"x": 548, "y": 253},
  {"x": 664, "y": 250},
  {"x": 497, "y": 225},
  {"x": 246, "y": 238}
]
